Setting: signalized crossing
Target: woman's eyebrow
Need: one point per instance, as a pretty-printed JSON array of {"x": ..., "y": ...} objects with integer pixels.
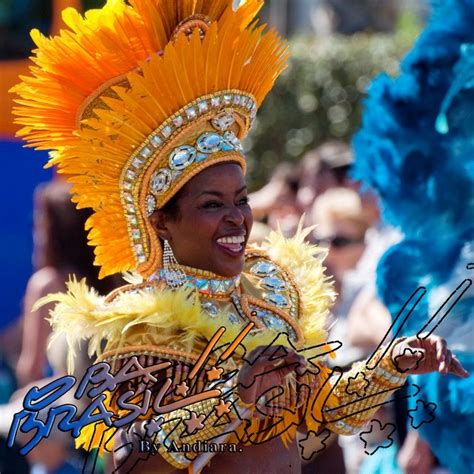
[{"x": 220, "y": 194}]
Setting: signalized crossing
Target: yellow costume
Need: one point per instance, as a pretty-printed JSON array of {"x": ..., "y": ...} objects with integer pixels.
[{"x": 134, "y": 100}]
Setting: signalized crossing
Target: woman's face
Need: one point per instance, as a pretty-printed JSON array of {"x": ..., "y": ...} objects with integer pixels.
[{"x": 214, "y": 221}]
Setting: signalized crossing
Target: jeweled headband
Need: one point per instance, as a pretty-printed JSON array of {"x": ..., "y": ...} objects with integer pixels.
[{"x": 136, "y": 100}]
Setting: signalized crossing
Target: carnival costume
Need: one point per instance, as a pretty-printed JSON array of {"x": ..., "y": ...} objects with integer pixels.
[
  {"x": 134, "y": 100},
  {"x": 415, "y": 150}
]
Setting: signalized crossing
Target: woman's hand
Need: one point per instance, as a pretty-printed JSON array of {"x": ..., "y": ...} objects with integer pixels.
[
  {"x": 415, "y": 355},
  {"x": 266, "y": 370}
]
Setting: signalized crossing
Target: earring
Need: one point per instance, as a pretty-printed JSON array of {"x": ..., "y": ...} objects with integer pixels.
[{"x": 174, "y": 275}]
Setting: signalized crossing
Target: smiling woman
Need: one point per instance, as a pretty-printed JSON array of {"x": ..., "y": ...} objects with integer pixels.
[
  {"x": 212, "y": 223},
  {"x": 152, "y": 143}
]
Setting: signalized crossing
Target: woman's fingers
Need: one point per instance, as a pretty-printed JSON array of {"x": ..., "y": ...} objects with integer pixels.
[
  {"x": 445, "y": 362},
  {"x": 456, "y": 368}
]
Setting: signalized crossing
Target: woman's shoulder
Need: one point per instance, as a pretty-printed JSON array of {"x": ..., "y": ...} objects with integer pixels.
[{"x": 289, "y": 274}]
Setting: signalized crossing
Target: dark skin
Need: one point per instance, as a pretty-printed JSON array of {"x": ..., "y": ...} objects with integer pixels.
[{"x": 213, "y": 205}]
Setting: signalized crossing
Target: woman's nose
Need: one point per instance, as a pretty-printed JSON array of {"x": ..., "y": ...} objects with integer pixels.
[{"x": 235, "y": 215}]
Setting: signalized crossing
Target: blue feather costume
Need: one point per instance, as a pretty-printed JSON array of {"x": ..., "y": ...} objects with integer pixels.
[{"x": 416, "y": 149}]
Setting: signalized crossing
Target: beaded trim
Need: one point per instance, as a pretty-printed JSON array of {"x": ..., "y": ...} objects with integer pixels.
[
  {"x": 221, "y": 103},
  {"x": 183, "y": 156},
  {"x": 207, "y": 286}
]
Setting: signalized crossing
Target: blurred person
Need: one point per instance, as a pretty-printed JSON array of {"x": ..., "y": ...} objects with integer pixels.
[
  {"x": 323, "y": 168},
  {"x": 60, "y": 250},
  {"x": 277, "y": 201}
]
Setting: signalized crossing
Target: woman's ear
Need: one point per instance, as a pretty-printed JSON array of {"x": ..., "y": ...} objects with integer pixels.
[{"x": 159, "y": 220}]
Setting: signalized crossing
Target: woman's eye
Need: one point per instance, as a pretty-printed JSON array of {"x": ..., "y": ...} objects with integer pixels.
[
  {"x": 244, "y": 201},
  {"x": 211, "y": 205}
]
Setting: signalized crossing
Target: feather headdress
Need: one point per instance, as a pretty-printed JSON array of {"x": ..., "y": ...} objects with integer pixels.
[{"x": 136, "y": 100}]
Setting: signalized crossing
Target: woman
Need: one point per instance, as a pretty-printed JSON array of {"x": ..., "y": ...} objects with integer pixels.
[{"x": 152, "y": 143}]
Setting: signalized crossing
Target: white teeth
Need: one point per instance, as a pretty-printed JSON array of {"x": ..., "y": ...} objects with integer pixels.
[{"x": 231, "y": 240}]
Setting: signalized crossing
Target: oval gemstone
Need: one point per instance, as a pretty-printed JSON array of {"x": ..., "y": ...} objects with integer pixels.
[
  {"x": 150, "y": 204},
  {"x": 223, "y": 121},
  {"x": 161, "y": 180},
  {"x": 209, "y": 142},
  {"x": 277, "y": 299},
  {"x": 273, "y": 283},
  {"x": 181, "y": 157},
  {"x": 274, "y": 323},
  {"x": 210, "y": 308},
  {"x": 263, "y": 268}
]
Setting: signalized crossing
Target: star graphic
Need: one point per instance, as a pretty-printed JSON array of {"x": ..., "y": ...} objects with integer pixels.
[
  {"x": 214, "y": 373},
  {"x": 313, "y": 443},
  {"x": 379, "y": 431},
  {"x": 194, "y": 423},
  {"x": 357, "y": 385},
  {"x": 153, "y": 426},
  {"x": 181, "y": 389},
  {"x": 423, "y": 413},
  {"x": 222, "y": 408}
]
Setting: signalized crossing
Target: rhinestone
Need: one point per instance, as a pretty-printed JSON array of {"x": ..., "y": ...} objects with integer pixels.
[
  {"x": 131, "y": 208},
  {"x": 233, "y": 318},
  {"x": 128, "y": 197},
  {"x": 223, "y": 121},
  {"x": 202, "y": 285},
  {"x": 210, "y": 308},
  {"x": 150, "y": 204},
  {"x": 202, "y": 107},
  {"x": 141, "y": 258},
  {"x": 253, "y": 113},
  {"x": 226, "y": 146},
  {"x": 146, "y": 152},
  {"x": 178, "y": 121},
  {"x": 136, "y": 234},
  {"x": 274, "y": 323},
  {"x": 167, "y": 131},
  {"x": 250, "y": 104},
  {"x": 277, "y": 299},
  {"x": 237, "y": 99},
  {"x": 127, "y": 185},
  {"x": 191, "y": 113},
  {"x": 263, "y": 268},
  {"x": 200, "y": 157},
  {"x": 227, "y": 99},
  {"x": 161, "y": 180},
  {"x": 132, "y": 219},
  {"x": 209, "y": 142},
  {"x": 182, "y": 157},
  {"x": 243, "y": 101},
  {"x": 215, "y": 101},
  {"x": 273, "y": 283},
  {"x": 230, "y": 137},
  {"x": 130, "y": 175},
  {"x": 156, "y": 141},
  {"x": 139, "y": 249},
  {"x": 136, "y": 162}
]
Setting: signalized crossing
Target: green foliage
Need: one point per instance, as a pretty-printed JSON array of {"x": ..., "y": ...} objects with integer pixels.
[{"x": 319, "y": 97}]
